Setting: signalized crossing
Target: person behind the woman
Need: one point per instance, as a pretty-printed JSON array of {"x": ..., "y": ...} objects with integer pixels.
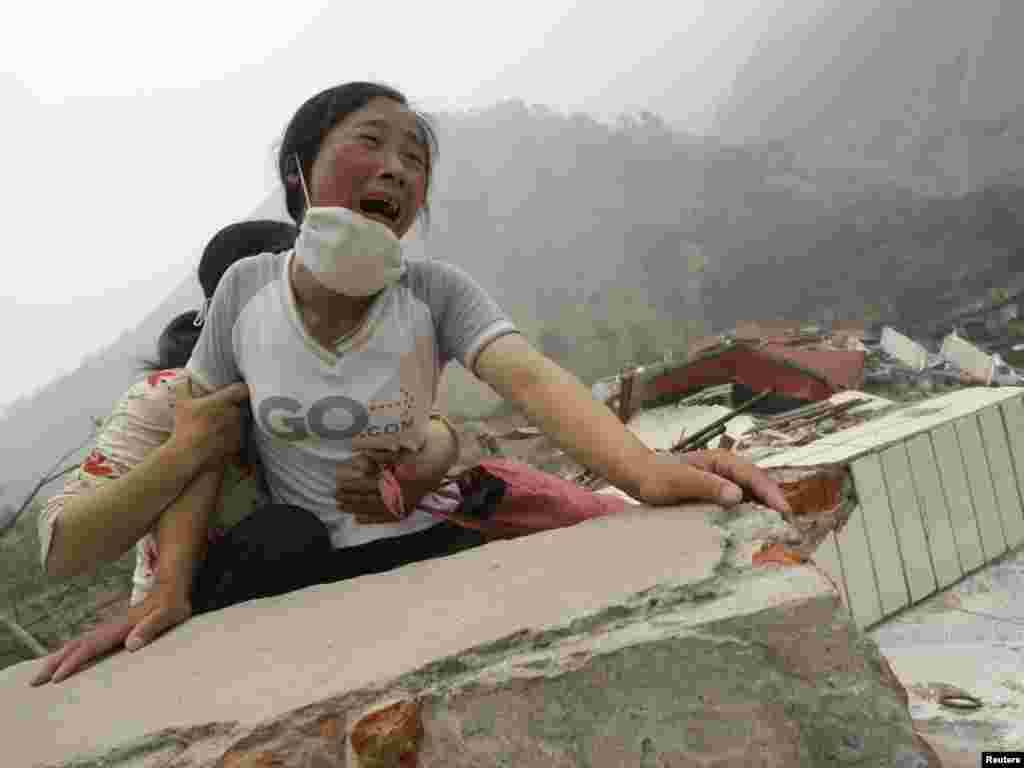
[
  {"x": 341, "y": 343},
  {"x": 133, "y": 460}
]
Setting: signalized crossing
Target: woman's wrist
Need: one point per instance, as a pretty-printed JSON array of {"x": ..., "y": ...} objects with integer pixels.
[{"x": 181, "y": 455}]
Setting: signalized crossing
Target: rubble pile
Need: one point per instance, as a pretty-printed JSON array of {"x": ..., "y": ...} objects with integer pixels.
[
  {"x": 793, "y": 384},
  {"x": 806, "y": 425},
  {"x": 900, "y": 361}
]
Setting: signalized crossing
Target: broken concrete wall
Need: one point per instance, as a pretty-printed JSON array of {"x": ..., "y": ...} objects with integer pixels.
[
  {"x": 939, "y": 486},
  {"x": 647, "y": 638}
]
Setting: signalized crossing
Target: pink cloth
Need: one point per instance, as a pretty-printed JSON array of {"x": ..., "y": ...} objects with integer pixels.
[
  {"x": 391, "y": 491},
  {"x": 530, "y": 500}
]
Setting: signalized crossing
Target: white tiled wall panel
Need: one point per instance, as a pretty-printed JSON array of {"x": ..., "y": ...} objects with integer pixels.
[
  {"x": 1013, "y": 420},
  {"x": 876, "y": 515},
  {"x": 1000, "y": 464},
  {"x": 940, "y": 490},
  {"x": 924, "y": 475},
  {"x": 858, "y": 571},
  {"x": 979, "y": 480},
  {"x": 827, "y": 558},
  {"x": 906, "y": 513},
  {"x": 953, "y": 480}
]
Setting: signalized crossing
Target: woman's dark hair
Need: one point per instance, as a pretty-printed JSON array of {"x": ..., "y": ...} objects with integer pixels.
[
  {"x": 233, "y": 242},
  {"x": 175, "y": 345},
  {"x": 315, "y": 119}
]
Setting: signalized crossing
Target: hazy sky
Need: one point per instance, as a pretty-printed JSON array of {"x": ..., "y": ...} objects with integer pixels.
[{"x": 133, "y": 131}]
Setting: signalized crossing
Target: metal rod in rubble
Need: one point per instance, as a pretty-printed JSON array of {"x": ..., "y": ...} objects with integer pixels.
[{"x": 707, "y": 433}]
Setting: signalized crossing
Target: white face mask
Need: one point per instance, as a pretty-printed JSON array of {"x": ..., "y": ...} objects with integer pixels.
[{"x": 347, "y": 252}]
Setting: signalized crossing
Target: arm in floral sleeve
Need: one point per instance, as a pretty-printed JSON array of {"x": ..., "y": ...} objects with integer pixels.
[
  {"x": 179, "y": 534},
  {"x": 142, "y": 461}
]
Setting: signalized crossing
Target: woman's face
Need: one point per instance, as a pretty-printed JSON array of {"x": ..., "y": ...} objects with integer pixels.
[{"x": 375, "y": 163}]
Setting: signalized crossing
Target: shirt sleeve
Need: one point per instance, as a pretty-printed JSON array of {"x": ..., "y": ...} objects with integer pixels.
[
  {"x": 466, "y": 318},
  {"x": 213, "y": 364},
  {"x": 141, "y": 421}
]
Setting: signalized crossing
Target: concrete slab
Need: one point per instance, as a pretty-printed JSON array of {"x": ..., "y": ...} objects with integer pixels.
[
  {"x": 995, "y": 591},
  {"x": 970, "y": 636},
  {"x": 356, "y": 633},
  {"x": 980, "y": 669}
]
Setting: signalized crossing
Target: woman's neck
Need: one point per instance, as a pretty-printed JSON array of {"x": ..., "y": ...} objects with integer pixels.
[{"x": 326, "y": 314}]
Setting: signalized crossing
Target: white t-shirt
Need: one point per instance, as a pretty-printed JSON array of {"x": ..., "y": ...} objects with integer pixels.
[{"x": 316, "y": 409}]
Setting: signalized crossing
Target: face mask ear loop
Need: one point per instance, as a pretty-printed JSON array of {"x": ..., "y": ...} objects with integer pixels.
[
  {"x": 302, "y": 180},
  {"x": 201, "y": 314}
]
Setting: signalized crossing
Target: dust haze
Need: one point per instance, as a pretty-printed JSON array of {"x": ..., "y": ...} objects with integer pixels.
[{"x": 824, "y": 160}]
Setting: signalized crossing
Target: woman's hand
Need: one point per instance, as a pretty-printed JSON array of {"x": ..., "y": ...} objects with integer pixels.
[
  {"x": 712, "y": 475},
  {"x": 209, "y": 427},
  {"x": 358, "y": 487},
  {"x": 164, "y": 607}
]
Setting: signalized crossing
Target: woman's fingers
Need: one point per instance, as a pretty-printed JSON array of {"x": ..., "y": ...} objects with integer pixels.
[
  {"x": 53, "y": 661},
  {"x": 78, "y": 652},
  {"x": 81, "y": 656},
  {"x": 695, "y": 483},
  {"x": 210, "y": 425},
  {"x": 357, "y": 487},
  {"x": 95, "y": 644},
  {"x": 232, "y": 394},
  {"x": 172, "y": 608},
  {"x": 150, "y": 628},
  {"x": 743, "y": 473}
]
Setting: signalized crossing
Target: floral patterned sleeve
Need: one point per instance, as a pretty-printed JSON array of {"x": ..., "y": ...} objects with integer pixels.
[{"x": 142, "y": 420}]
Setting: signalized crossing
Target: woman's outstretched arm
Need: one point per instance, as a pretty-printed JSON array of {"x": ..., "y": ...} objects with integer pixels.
[{"x": 559, "y": 404}]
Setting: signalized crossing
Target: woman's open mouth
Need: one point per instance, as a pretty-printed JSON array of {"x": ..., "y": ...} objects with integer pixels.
[{"x": 383, "y": 209}]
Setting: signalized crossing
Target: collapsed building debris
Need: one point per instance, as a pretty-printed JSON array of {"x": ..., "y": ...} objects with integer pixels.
[
  {"x": 975, "y": 363},
  {"x": 799, "y": 369},
  {"x": 904, "y": 349},
  {"x": 806, "y": 425},
  {"x": 901, "y": 361},
  {"x": 794, "y": 384}
]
